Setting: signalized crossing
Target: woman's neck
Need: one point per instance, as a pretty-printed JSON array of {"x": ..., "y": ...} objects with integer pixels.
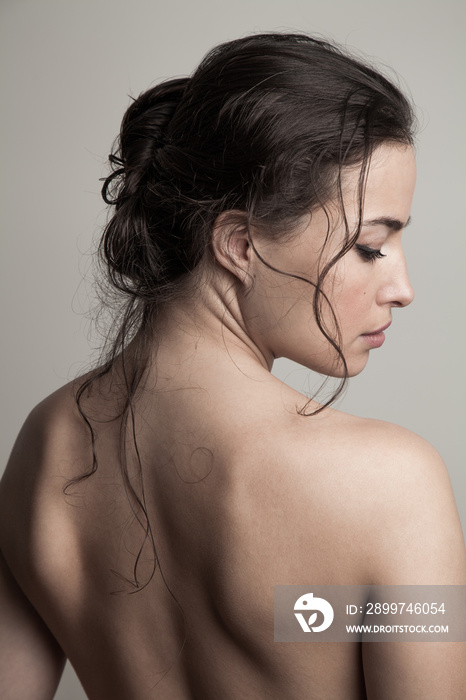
[{"x": 208, "y": 324}]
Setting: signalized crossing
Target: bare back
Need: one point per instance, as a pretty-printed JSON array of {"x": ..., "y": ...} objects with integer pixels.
[{"x": 242, "y": 494}]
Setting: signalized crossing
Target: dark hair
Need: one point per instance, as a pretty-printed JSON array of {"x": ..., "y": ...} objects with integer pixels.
[{"x": 264, "y": 126}]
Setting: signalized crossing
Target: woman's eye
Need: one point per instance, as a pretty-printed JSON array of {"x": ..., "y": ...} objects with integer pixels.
[{"x": 368, "y": 253}]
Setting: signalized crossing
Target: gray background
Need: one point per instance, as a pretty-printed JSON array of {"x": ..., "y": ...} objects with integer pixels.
[{"x": 67, "y": 68}]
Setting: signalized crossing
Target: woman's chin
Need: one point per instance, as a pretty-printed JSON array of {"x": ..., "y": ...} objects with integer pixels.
[
  {"x": 357, "y": 366},
  {"x": 353, "y": 368}
]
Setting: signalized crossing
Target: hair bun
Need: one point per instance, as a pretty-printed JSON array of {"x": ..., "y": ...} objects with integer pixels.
[
  {"x": 149, "y": 116},
  {"x": 143, "y": 133}
]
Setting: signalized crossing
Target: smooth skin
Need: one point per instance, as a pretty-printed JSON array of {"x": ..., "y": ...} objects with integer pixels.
[{"x": 243, "y": 493}]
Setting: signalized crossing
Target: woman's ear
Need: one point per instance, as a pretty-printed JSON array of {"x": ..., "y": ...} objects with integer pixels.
[{"x": 231, "y": 244}]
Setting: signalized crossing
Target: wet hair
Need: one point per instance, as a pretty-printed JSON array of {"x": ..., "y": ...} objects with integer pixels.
[{"x": 265, "y": 126}]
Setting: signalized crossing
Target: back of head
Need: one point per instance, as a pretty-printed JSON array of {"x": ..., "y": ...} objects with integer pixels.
[{"x": 264, "y": 126}]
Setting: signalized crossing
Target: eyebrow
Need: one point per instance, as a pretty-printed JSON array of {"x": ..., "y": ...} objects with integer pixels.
[{"x": 389, "y": 222}]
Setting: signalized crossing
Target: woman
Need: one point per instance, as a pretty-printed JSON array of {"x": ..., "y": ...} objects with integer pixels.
[{"x": 258, "y": 213}]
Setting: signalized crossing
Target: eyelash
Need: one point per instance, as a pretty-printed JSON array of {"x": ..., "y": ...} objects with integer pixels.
[{"x": 367, "y": 253}]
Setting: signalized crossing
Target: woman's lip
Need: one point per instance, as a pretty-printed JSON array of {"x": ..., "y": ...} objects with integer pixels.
[
  {"x": 379, "y": 330},
  {"x": 376, "y": 338}
]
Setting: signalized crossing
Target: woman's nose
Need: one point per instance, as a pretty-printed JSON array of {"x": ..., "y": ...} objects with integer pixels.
[{"x": 398, "y": 291}]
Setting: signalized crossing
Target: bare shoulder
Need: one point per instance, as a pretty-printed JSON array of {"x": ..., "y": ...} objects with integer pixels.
[
  {"x": 53, "y": 427},
  {"x": 388, "y": 458},
  {"x": 46, "y": 453},
  {"x": 384, "y": 498},
  {"x": 413, "y": 529}
]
